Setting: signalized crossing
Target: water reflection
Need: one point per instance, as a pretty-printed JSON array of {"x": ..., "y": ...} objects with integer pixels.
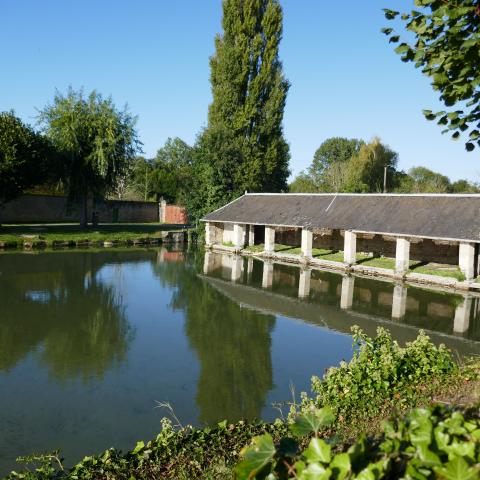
[
  {"x": 232, "y": 343},
  {"x": 59, "y": 311},
  {"x": 339, "y": 301}
]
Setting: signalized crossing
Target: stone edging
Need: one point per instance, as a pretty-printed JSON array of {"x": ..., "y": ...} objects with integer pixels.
[{"x": 411, "y": 277}]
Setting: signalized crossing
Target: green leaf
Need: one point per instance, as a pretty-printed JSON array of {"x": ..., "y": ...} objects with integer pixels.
[
  {"x": 402, "y": 48},
  {"x": 255, "y": 457},
  {"x": 317, "y": 451},
  {"x": 469, "y": 147},
  {"x": 341, "y": 465},
  {"x": 315, "y": 472},
  {"x": 138, "y": 447},
  {"x": 457, "y": 469},
  {"x": 312, "y": 421}
]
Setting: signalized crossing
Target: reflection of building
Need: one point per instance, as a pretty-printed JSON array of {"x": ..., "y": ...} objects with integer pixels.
[
  {"x": 427, "y": 228},
  {"x": 338, "y": 302}
]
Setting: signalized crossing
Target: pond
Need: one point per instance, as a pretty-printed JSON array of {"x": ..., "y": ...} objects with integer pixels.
[{"x": 92, "y": 341}]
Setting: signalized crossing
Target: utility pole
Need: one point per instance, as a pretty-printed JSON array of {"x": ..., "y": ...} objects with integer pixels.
[{"x": 385, "y": 179}]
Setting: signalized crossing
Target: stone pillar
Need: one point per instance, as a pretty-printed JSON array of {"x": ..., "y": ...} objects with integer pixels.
[
  {"x": 346, "y": 299},
  {"x": 466, "y": 259},
  {"x": 269, "y": 239},
  {"x": 237, "y": 264},
  {"x": 462, "y": 316},
  {"x": 239, "y": 235},
  {"x": 402, "y": 255},
  {"x": 304, "y": 283},
  {"x": 350, "y": 248},
  {"x": 208, "y": 263},
  {"x": 209, "y": 234},
  {"x": 267, "y": 278},
  {"x": 399, "y": 304},
  {"x": 162, "y": 211},
  {"x": 307, "y": 240},
  {"x": 251, "y": 235}
]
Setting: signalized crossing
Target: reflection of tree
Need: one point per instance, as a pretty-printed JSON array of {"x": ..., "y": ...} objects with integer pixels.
[
  {"x": 57, "y": 310},
  {"x": 232, "y": 344}
]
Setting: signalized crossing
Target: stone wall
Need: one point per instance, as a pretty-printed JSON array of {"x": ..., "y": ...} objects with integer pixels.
[{"x": 56, "y": 209}]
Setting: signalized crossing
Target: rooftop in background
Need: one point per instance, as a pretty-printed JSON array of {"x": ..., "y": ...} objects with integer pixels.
[{"x": 438, "y": 216}]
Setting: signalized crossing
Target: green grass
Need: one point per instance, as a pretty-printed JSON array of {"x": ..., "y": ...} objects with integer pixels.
[
  {"x": 228, "y": 244},
  {"x": 119, "y": 232},
  {"x": 426, "y": 270},
  {"x": 378, "y": 262}
]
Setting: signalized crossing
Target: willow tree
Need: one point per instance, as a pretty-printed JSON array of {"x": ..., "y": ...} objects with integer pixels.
[
  {"x": 98, "y": 143},
  {"x": 249, "y": 93},
  {"x": 446, "y": 47}
]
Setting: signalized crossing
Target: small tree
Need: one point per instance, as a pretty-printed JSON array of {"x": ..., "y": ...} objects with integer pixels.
[
  {"x": 26, "y": 157},
  {"x": 98, "y": 143}
]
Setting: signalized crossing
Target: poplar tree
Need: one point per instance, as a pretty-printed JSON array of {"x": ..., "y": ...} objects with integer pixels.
[{"x": 249, "y": 93}]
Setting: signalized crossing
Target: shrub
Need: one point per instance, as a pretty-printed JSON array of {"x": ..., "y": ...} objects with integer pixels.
[{"x": 380, "y": 372}]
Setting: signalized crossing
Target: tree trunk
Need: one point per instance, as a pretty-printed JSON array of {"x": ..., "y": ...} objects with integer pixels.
[{"x": 83, "y": 211}]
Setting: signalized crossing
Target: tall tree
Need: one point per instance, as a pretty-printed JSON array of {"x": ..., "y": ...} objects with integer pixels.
[
  {"x": 98, "y": 143},
  {"x": 334, "y": 150},
  {"x": 249, "y": 93},
  {"x": 447, "y": 49},
  {"x": 26, "y": 157}
]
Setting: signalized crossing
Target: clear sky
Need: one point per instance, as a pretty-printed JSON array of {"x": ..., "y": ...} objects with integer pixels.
[{"x": 153, "y": 54}]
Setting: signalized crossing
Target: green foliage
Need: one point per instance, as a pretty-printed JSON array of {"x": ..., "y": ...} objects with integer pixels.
[
  {"x": 335, "y": 150},
  {"x": 26, "y": 158},
  {"x": 98, "y": 143},
  {"x": 348, "y": 165},
  {"x": 446, "y": 48},
  {"x": 380, "y": 372},
  {"x": 436, "y": 442},
  {"x": 243, "y": 147},
  {"x": 172, "y": 172},
  {"x": 177, "y": 454}
]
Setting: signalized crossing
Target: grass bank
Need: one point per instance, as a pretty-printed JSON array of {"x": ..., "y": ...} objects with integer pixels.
[
  {"x": 69, "y": 235},
  {"x": 323, "y": 435}
]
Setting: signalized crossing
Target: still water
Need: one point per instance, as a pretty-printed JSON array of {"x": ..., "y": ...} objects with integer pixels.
[{"x": 90, "y": 342}]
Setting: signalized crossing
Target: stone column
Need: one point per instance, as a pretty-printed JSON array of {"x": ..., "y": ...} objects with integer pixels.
[
  {"x": 237, "y": 264},
  {"x": 350, "y": 248},
  {"x": 462, "y": 316},
  {"x": 307, "y": 240},
  {"x": 269, "y": 239},
  {"x": 251, "y": 235},
  {"x": 162, "y": 211},
  {"x": 267, "y": 278},
  {"x": 239, "y": 235},
  {"x": 402, "y": 255},
  {"x": 304, "y": 283},
  {"x": 209, "y": 234},
  {"x": 399, "y": 304},
  {"x": 346, "y": 299},
  {"x": 466, "y": 259}
]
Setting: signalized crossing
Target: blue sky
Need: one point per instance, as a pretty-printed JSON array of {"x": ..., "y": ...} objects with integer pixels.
[{"x": 153, "y": 54}]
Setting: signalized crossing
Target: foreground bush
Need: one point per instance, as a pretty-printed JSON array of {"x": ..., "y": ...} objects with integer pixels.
[
  {"x": 380, "y": 374},
  {"x": 429, "y": 443}
]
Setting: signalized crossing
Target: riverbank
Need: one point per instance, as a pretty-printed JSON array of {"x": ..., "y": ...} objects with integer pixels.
[
  {"x": 446, "y": 276},
  {"x": 105, "y": 235},
  {"x": 382, "y": 380}
]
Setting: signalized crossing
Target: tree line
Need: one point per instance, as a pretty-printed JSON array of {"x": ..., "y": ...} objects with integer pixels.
[
  {"x": 86, "y": 147},
  {"x": 356, "y": 166}
]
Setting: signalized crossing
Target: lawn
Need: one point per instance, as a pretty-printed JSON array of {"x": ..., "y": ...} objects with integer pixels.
[
  {"x": 56, "y": 233},
  {"x": 452, "y": 272}
]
